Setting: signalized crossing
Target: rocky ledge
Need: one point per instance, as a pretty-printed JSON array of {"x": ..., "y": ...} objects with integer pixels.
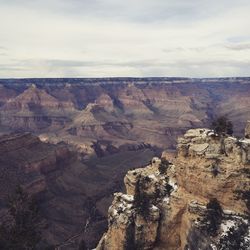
[{"x": 200, "y": 200}]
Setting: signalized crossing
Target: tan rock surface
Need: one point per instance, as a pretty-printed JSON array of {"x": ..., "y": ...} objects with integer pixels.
[{"x": 181, "y": 194}]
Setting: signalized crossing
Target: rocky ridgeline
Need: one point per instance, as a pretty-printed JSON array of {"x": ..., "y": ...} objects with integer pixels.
[
  {"x": 121, "y": 110},
  {"x": 199, "y": 201},
  {"x": 204, "y": 142},
  {"x": 25, "y": 160}
]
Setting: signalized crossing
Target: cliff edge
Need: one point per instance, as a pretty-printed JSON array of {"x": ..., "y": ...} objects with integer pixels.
[{"x": 200, "y": 200}]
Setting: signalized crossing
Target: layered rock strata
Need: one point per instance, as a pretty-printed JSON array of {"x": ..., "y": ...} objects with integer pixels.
[
  {"x": 121, "y": 111},
  {"x": 199, "y": 201},
  {"x": 25, "y": 160}
]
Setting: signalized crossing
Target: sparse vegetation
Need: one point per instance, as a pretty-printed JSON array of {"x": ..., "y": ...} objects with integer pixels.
[
  {"x": 222, "y": 126},
  {"x": 245, "y": 195},
  {"x": 141, "y": 199},
  {"x": 163, "y": 166},
  {"x": 21, "y": 231},
  {"x": 215, "y": 170},
  {"x": 235, "y": 238},
  {"x": 213, "y": 217},
  {"x": 130, "y": 238},
  {"x": 168, "y": 189}
]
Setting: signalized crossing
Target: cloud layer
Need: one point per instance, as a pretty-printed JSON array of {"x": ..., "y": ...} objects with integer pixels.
[{"x": 97, "y": 38}]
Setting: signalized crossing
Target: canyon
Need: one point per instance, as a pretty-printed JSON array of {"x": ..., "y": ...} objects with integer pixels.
[
  {"x": 200, "y": 200},
  {"x": 70, "y": 142},
  {"x": 73, "y": 196},
  {"x": 97, "y": 116}
]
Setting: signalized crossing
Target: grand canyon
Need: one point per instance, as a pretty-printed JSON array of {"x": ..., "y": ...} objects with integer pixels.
[
  {"x": 124, "y": 125},
  {"x": 69, "y": 142}
]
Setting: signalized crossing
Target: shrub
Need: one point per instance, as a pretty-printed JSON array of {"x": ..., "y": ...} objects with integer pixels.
[
  {"x": 163, "y": 166},
  {"x": 245, "y": 195},
  {"x": 215, "y": 170},
  {"x": 141, "y": 199},
  {"x": 168, "y": 189},
  {"x": 222, "y": 126},
  {"x": 213, "y": 216}
]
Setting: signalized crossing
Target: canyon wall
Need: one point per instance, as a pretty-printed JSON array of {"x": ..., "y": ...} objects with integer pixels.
[
  {"x": 73, "y": 196},
  {"x": 121, "y": 112},
  {"x": 25, "y": 160},
  {"x": 200, "y": 200}
]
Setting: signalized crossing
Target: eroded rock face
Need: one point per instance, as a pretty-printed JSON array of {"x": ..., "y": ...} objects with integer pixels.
[
  {"x": 35, "y": 109},
  {"x": 201, "y": 200},
  {"x": 73, "y": 196},
  {"x": 25, "y": 160},
  {"x": 121, "y": 111}
]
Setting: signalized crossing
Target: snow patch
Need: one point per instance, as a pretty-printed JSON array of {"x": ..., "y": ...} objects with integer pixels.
[
  {"x": 154, "y": 208},
  {"x": 166, "y": 199},
  {"x": 226, "y": 225},
  {"x": 245, "y": 140},
  {"x": 128, "y": 197},
  {"x": 153, "y": 177},
  {"x": 173, "y": 184},
  {"x": 213, "y": 247}
]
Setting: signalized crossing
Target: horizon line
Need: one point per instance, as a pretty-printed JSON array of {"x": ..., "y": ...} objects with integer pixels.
[{"x": 127, "y": 77}]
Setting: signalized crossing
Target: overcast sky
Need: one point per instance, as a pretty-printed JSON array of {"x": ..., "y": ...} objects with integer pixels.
[{"x": 98, "y": 38}]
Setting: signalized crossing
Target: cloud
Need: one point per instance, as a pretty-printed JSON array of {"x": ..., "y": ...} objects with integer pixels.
[
  {"x": 240, "y": 46},
  {"x": 2, "y": 48},
  {"x": 76, "y": 38}
]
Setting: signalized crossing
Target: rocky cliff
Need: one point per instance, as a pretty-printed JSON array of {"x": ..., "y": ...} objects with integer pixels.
[
  {"x": 121, "y": 111},
  {"x": 35, "y": 109},
  {"x": 200, "y": 200},
  {"x": 73, "y": 196},
  {"x": 25, "y": 160}
]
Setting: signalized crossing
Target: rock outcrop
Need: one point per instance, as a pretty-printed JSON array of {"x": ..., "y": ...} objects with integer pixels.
[{"x": 199, "y": 201}]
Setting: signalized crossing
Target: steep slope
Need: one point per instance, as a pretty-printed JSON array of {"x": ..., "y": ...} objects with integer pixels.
[
  {"x": 73, "y": 195},
  {"x": 25, "y": 160},
  {"x": 131, "y": 111},
  {"x": 6, "y": 94},
  {"x": 200, "y": 201},
  {"x": 94, "y": 118},
  {"x": 35, "y": 109}
]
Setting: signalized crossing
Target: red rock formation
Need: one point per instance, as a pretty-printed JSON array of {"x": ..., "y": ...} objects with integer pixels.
[{"x": 134, "y": 111}]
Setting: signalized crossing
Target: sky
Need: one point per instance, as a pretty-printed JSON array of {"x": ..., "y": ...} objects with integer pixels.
[{"x": 114, "y": 38}]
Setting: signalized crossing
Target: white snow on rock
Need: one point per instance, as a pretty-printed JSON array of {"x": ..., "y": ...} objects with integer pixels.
[
  {"x": 128, "y": 197},
  {"x": 153, "y": 177},
  {"x": 226, "y": 225},
  {"x": 213, "y": 247},
  {"x": 245, "y": 140},
  {"x": 173, "y": 184},
  {"x": 166, "y": 199},
  {"x": 154, "y": 208}
]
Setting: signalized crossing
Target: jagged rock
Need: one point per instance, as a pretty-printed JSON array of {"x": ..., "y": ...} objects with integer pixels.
[
  {"x": 204, "y": 142},
  {"x": 208, "y": 167}
]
